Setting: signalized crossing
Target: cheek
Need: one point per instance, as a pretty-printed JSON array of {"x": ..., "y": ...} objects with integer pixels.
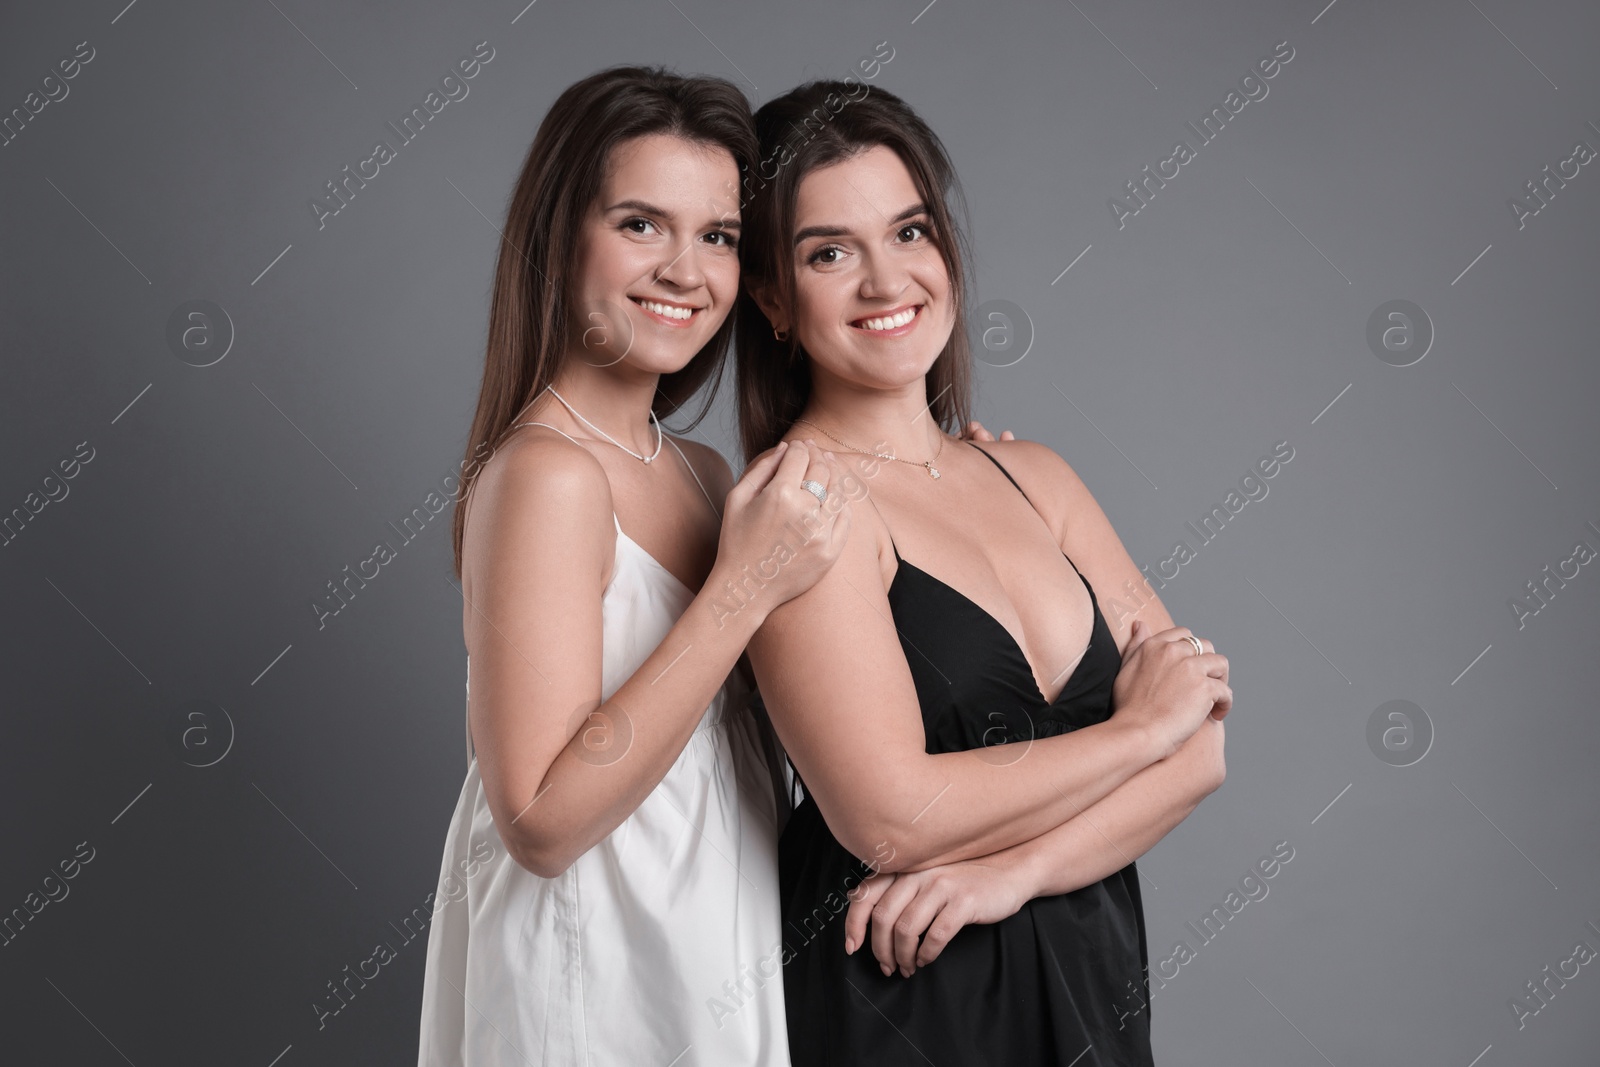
[
  {"x": 722, "y": 277},
  {"x": 591, "y": 266},
  {"x": 820, "y": 302},
  {"x": 611, "y": 262}
]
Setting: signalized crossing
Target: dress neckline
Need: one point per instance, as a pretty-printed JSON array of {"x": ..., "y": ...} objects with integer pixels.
[
  {"x": 618, "y": 523},
  {"x": 1083, "y": 657},
  {"x": 646, "y": 556}
]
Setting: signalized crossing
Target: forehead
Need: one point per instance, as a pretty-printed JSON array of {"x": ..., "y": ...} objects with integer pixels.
[
  {"x": 669, "y": 170},
  {"x": 860, "y": 193}
]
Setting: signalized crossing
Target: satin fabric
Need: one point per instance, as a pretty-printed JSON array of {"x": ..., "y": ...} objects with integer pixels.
[
  {"x": 1062, "y": 981},
  {"x": 658, "y": 946}
]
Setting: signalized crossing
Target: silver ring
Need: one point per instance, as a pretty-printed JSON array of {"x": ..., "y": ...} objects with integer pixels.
[
  {"x": 816, "y": 489},
  {"x": 1195, "y": 641}
]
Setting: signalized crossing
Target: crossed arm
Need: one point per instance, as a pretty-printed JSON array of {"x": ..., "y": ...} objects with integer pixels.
[{"x": 914, "y": 913}]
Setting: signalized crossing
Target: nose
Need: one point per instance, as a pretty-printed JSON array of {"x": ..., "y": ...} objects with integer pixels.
[
  {"x": 682, "y": 271},
  {"x": 885, "y": 276}
]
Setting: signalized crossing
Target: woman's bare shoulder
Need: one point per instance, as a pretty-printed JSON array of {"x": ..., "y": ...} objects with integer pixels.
[
  {"x": 1048, "y": 480},
  {"x": 538, "y": 482},
  {"x": 1083, "y": 530}
]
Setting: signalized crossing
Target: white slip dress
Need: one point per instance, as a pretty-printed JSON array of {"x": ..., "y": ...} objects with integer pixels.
[{"x": 661, "y": 945}]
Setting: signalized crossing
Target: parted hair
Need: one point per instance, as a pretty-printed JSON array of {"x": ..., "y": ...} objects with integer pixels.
[
  {"x": 812, "y": 126},
  {"x": 531, "y": 314}
]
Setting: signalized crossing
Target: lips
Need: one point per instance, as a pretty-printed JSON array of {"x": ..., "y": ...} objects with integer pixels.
[
  {"x": 665, "y": 311},
  {"x": 890, "y": 322}
]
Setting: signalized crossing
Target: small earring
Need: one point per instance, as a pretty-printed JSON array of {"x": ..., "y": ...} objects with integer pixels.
[{"x": 780, "y": 335}]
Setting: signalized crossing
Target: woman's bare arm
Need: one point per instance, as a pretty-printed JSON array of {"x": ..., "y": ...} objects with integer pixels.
[
  {"x": 914, "y": 914},
  {"x": 835, "y": 679},
  {"x": 1117, "y": 830},
  {"x": 1122, "y": 826},
  {"x": 561, "y": 769}
]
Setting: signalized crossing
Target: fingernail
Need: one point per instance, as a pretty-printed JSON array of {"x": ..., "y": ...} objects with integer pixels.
[{"x": 885, "y": 968}]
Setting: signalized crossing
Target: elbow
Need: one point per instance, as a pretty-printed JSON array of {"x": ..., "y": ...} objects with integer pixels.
[
  {"x": 1216, "y": 773},
  {"x": 543, "y": 865},
  {"x": 879, "y": 847},
  {"x": 536, "y": 855},
  {"x": 539, "y": 840}
]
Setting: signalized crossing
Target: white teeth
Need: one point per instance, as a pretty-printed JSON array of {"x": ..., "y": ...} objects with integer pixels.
[
  {"x": 893, "y": 322},
  {"x": 666, "y": 310}
]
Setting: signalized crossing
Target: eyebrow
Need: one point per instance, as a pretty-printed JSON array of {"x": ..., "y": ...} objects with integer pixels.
[
  {"x": 645, "y": 208},
  {"x": 641, "y": 206},
  {"x": 838, "y": 231}
]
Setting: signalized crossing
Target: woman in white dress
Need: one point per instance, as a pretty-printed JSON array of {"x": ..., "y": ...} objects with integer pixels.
[{"x": 608, "y": 893}]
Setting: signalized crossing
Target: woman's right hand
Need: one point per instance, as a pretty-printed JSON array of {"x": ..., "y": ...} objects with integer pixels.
[
  {"x": 1166, "y": 688},
  {"x": 777, "y": 539}
]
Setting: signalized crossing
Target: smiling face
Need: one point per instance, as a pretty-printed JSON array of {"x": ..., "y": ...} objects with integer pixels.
[
  {"x": 874, "y": 304},
  {"x": 658, "y": 267}
]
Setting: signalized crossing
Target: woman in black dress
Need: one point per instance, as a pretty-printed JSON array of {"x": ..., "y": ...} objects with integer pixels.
[{"x": 986, "y": 751}]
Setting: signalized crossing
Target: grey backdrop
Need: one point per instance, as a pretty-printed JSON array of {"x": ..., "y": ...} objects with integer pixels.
[{"x": 159, "y": 614}]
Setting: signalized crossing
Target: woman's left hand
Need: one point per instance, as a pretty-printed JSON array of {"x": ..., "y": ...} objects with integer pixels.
[
  {"x": 974, "y": 431},
  {"x": 932, "y": 905}
]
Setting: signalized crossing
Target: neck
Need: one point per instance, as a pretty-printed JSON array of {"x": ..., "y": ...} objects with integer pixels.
[
  {"x": 894, "y": 420},
  {"x": 617, "y": 399}
]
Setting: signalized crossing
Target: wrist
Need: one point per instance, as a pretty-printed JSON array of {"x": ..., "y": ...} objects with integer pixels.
[
  {"x": 1024, "y": 867},
  {"x": 735, "y": 597},
  {"x": 1150, "y": 743}
]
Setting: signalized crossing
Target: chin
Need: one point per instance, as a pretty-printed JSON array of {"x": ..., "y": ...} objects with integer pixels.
[
  {"x": 901, "y": 371},
  {"x": 663, "y": 359}
]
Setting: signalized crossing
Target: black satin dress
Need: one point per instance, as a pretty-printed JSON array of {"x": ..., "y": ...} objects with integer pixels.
[{"x": 1062, "y": 982}]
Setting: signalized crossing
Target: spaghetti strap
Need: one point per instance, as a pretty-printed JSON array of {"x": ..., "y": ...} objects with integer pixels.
[
  {"x": 886, "y": 530},
  {"x": 1007, "y": 473},
  {"x": 670, "y": 441},
  {"x": 472, "y": 752},
  {"x": 547, "y": 426},
  {"x": 716, "y": 510},
  {"x": 1029, "y": 499}
]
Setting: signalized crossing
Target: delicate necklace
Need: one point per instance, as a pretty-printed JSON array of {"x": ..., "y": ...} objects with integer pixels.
[
  {"x": 928, "y": 463},
  {"x": 607, "y": 436}
]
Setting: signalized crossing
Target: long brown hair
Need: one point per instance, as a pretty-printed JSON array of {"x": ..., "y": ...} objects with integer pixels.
[
  {"x": 530, "y": 313},
  {"x": 820, "y": 123}
]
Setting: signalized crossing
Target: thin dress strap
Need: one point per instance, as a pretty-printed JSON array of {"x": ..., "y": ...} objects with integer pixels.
[
  {"x": 716, "y": 510},
  {"x": 670, "y": 441},
  {"x": 472, "y": 753},
  {"x": 547, "y": 426},
  {"x": 1010, "y": 479},
  {"x": 1007, "y": 473},
  {"x": 1025, "y": 496},
  {"x": 886, "y": 529}
]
